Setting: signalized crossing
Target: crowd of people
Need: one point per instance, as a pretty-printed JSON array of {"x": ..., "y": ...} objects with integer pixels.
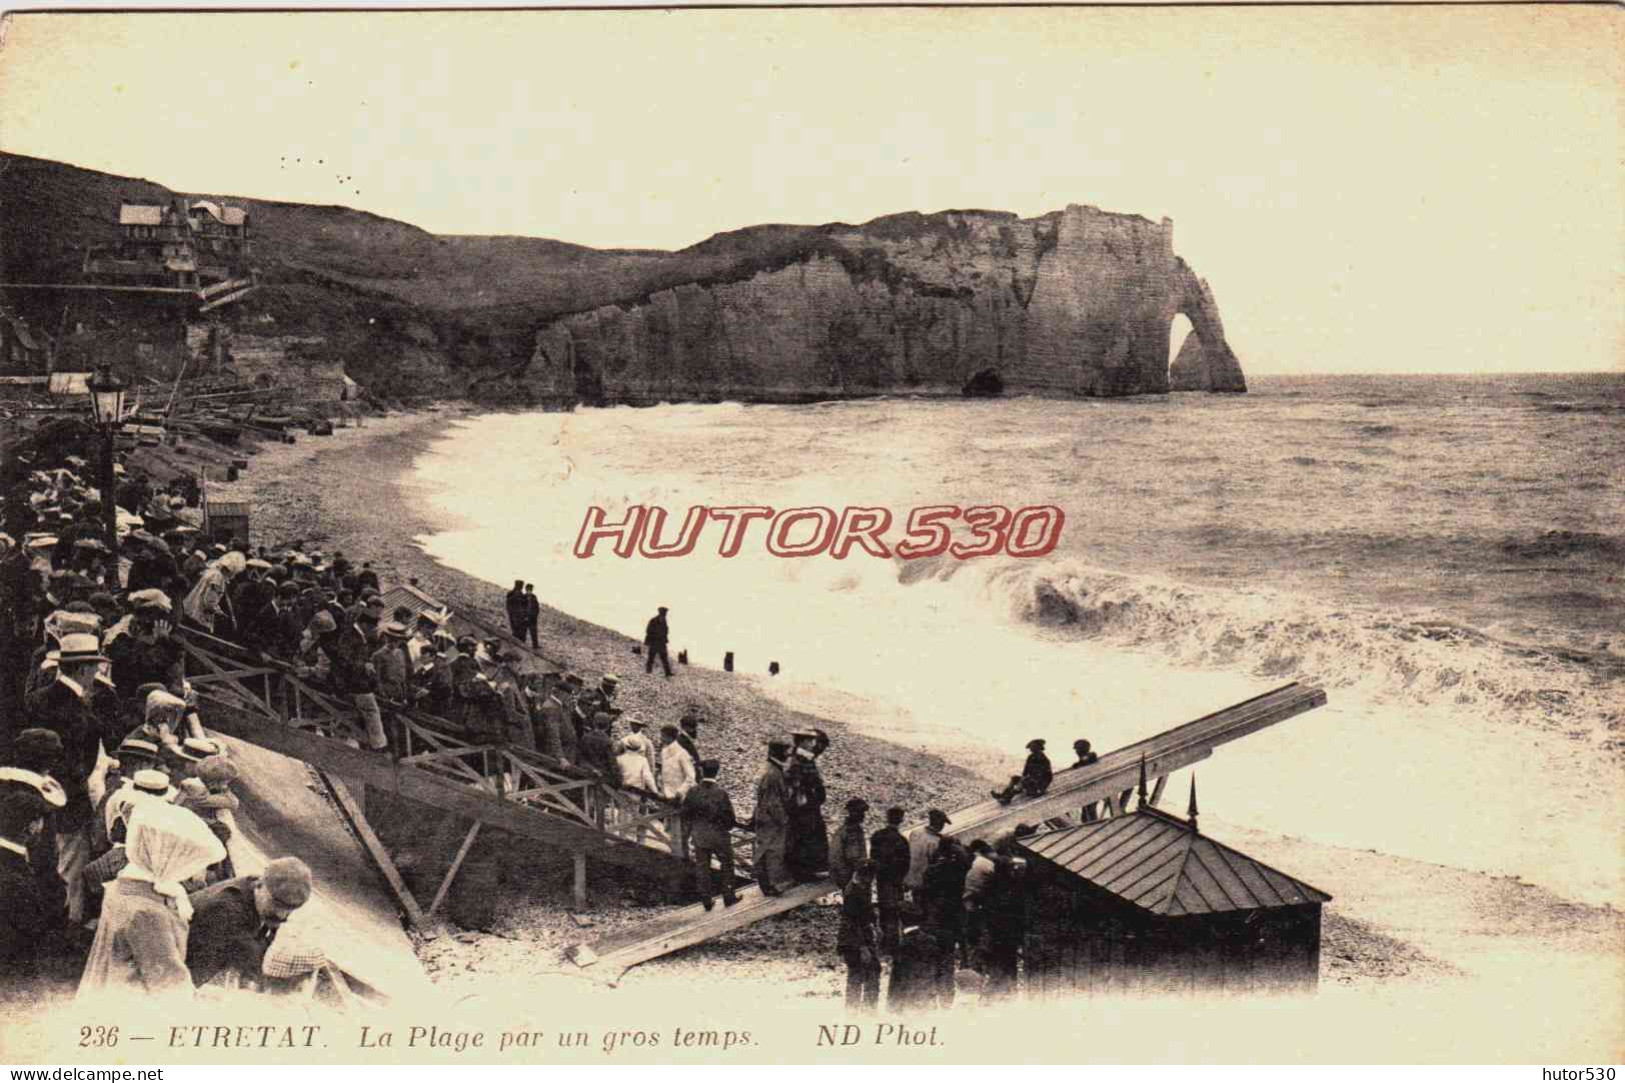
[{"x": 116, "y": 804}]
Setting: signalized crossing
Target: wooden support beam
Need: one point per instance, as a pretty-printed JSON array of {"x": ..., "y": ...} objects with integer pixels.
[
  {"x": 456, "y": 866},
  {"x": 375, "y": 848},
  {"x": 581, "y": 880},
  {"x": 1156, "y": 789}
]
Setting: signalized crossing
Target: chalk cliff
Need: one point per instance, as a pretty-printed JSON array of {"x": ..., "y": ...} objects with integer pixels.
[{"x": 1078, "y": 301}]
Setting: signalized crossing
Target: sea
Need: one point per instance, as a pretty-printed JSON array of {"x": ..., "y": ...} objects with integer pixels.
[{"x": 1442, "y": 554}]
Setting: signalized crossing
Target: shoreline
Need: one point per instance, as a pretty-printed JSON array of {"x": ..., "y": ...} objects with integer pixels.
[{"x": 1406, "y": 921}]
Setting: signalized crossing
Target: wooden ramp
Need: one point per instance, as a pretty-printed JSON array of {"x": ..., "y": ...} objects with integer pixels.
[
  {"x": 1110, "y": 780},
  {"x": 268, "y": 705}
]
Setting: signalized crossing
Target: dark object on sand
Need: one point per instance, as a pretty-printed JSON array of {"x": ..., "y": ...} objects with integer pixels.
[
  {"x": 773, "y": 668},
  {"x": 728, "y": 662},
  {"x": 986, "y": 384},
  {"x": 682, "y": 658}
]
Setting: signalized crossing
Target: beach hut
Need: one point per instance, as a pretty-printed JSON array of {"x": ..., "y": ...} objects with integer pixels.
[
  {"x": 225, "y": 520},
  {"x": 1144, "y": 904}
]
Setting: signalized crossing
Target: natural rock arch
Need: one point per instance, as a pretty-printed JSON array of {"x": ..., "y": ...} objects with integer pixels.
[{"x": 1205, "y": 361}]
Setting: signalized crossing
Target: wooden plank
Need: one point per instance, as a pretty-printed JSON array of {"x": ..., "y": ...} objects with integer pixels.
[
  {"x": 580, "y": 880},
  {"x": 456, "y": 867},
  {"x": 375, "y": 848}
]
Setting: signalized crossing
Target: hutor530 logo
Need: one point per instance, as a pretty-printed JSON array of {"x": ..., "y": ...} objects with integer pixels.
[{"x": 986, "y": 530}]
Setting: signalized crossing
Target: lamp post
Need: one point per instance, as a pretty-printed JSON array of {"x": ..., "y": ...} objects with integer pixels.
[{"x": 107, "y": 408}]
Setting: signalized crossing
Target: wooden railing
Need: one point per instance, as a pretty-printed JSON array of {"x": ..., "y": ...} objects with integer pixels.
[{"x": 226, "y": 673}]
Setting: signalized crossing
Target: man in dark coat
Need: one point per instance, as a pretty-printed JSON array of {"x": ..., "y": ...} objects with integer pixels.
[
  {"x": 533, "y": 612},
  {"x": 1036, "y": 775},
  {"x": 771, "y": 820},
  {"x": 598, "y": 750},
  {"x": 30, "y": 917},
  {"x": 64, "y": 707},
  {"x": 709, "y": 817},
  {"x": 889, "y": 851},
  {"x": 1005, "y": 923},
  {"x": 808, "y": 854},
  {"x": 688, "y": 737},
  {"x": 517, "y": 608},
  {"x": 856, "y": 939},
  {"x": 655, "y": 637},
  {"x": 235, "y": 921},
  {"x": 944, "y": 892},
  {"x": 1087, "y": 757}
]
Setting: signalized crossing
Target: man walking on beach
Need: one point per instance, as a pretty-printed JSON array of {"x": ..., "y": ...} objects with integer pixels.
[
  {"x": 709, "y": 816},
  {"x": 655, "y": 637}
]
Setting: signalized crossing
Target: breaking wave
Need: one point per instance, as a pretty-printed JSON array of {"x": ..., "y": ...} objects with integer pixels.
[{"x": 1276, "y": 636}]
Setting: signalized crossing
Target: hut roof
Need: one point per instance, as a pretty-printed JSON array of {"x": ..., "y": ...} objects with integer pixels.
[{"x": 1161, "y": 864}]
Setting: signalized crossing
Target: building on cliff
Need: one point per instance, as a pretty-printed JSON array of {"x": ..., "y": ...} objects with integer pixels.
[
  {"x": 181, "y": 245},
  {"x": 1075, "y": 302}
]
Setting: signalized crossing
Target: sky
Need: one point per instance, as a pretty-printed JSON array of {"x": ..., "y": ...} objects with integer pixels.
[{"x": 1365, "y": 189}]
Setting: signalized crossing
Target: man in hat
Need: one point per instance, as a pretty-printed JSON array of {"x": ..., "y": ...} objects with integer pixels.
[
  {"x": 655, "y": 637},
  {"x": 235, "y": 922},
  {"x": 533, "y": 613},
  {"x": 890, "y": 853},
  {"x": 709, "y": 817},
  {"x": 849, "y": 844},
  {"x": 517, "y": 609},
  {"x": 1087, "y": 757},
  {"x": 31, "y": 913},
  {"x": 38, "y": 750},
  {"x": 597, "y": 748},
  {"x": 391, "y": 663},
  {"x": 152, "y": 564},
  {"x": 808, "y": 853},
  {"x": 64, "y": 707},
  {"x": 942, "y": 898},
  {"x": 637, "y": 739},
  {"x": 688, "y": 736},
  {"x": 557, "y": 736},
  {"x": 356, "y": 676},
  {"x": 856, "y": 940},
  {"x": 922, "y": 844},
  {"x": 1036, "y": 775},
  {"x": 771, "y": 820}
]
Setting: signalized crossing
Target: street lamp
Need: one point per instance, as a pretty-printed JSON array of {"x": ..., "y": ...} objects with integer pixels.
[{"x": 107, "y": 408}]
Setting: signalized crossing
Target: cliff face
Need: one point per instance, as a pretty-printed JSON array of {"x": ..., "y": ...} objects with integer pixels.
[
  {"x": 1074, "y": 302},
  {"x": 1078, "y": 301}
]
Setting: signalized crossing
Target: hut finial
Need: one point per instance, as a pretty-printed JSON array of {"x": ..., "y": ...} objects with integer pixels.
[
  {"x": 1144, "y": 797},
  {"x": 1190, "y": 813}
]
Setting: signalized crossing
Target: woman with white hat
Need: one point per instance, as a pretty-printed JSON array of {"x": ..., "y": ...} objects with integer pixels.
[{"x": 141, "y": 939}]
